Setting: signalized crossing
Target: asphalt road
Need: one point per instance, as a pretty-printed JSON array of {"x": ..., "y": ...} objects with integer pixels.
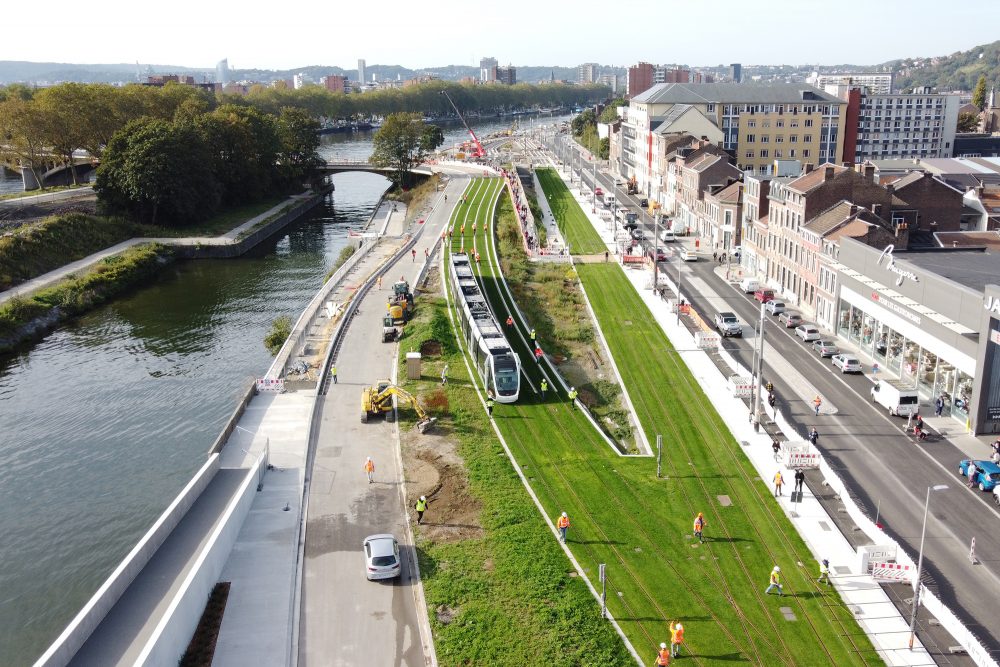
[{"x": 346, "y": 619}]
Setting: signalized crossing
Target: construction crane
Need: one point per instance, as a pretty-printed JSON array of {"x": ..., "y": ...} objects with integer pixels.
[
  {"x": 377, "y": 400},
  {"x": 479, "y": 152}
]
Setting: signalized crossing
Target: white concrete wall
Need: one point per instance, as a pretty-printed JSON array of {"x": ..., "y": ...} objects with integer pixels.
[
  {"x": 86, "y": 621},
  {"x": 173, "y": 633}
]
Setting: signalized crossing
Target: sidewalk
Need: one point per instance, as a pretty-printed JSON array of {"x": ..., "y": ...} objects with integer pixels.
[{"x": 874, "y": 611}]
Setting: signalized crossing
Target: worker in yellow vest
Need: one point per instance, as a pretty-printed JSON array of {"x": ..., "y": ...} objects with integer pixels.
[
  {"x": 775, "y": 581},
  {"x": 421, "y": 507},
  {"x": 676, "y": 638},
  {"x": 572, "y": 397},
  {"x": 824, "y": 572},
  {"x": 663, "y": 655},
  {"x": 699, "y": 526},
  {"x": 563, "y": 525},
  {"x": 778, "y": 481}
]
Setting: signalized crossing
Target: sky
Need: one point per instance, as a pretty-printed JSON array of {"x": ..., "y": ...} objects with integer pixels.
[{"x": 274, "y": 35}]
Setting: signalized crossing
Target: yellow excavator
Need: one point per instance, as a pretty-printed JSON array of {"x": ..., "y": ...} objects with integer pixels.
[{"x": 377, "y": 400}]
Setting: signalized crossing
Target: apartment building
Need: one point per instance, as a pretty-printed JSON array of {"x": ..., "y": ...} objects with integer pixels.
[
  {"x": 588, "y": 73},
  {"x": 701, "y": 173},
  {"x": 664, "y": 74},
  {"x": 759, "y": 124},
  {"x": 639, "y": 79},
  {"x": 877, "y": 83}
]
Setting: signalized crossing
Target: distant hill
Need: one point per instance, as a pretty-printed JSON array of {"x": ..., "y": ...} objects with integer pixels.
[
  {"x": 959, "y": 71},
  {"x": 17, "y": 71}
]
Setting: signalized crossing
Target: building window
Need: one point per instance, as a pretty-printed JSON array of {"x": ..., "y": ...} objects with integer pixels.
[
  {"x": 710, "y": 108},
  {"x": 751, "y": 123},
  {"x": 749, "y": 154},
  {"x": 791, "y": 152},
  {"x": 765, "y": 139},
  {"x": 794, "y": 123},
  {"x": 779, "y": 123},
  {"x": 763, "y": 153},
  {"x": 809, "y": 122},
  {"x": 780, "y": 139},
  {"x": 766, "y": 123},
  {"x": 777, "y": 153},
  {"x": 805, "y": 152},
  {"x": 793, "y": 139},
  {"x": 751, "y": 138}
]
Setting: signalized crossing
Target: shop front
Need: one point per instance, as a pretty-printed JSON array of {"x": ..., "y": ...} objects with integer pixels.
[{"x": 920, "y": 317}]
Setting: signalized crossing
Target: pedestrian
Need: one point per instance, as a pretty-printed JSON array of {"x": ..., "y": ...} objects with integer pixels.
[
  {"x": 909, "y": 421},
  {"x": 489, "y": 406},
  {"x": 531, "y": 334},
  {"x": 538, "y": 354},
  {"x": 778, "y": 481},
  {"x": 379, "y": 282},
  {"x": 800, "y": 479},
  {"x": 918, "y": 425},
  {"x": 427, "y": 253},
  {"x": 813, "y": 436},
  {"x": 676, "y": 638},
  {"x": 776, "y": 448},
  {"x": 545, "y": 387},
  {"x": 510, "y": 321},
  {"x": 414, "y": 251},
  {"x": 972, "y": 474},
  {"x": 477, "y": 257},
  {"x": 563, "y": 525},
  {"x": 771, "y": 399},
  {"x": 699, "y": 527},
  {"x": 572, "y": 397},
  {"x": 421, "y": 507},
  {"x": 875, "y": 370},
  {"x": 370, "y": 469},
  {"x": 444, "y": 375},
  {"x": 939, "y": 406},
  {"x": 816, "y": 403},
  {"x": 715, "y": 255},
  {"x": 775, "y": 581},
  {"x": 605, "y": 255},
  {"x": 663, "y": 655},
  {"x": 824, "y": 572}
]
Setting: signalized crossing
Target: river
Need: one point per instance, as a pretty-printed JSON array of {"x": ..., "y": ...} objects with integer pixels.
[{"x": 106, "y": 418}]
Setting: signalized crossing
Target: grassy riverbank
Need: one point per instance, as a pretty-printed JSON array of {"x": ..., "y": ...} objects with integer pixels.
[
  {"x": 25, "y": 318},
  {"x": 43, "y": 191}
]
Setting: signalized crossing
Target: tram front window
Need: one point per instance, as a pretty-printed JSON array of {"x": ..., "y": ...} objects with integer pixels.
[{"x": 506, "y": 382}]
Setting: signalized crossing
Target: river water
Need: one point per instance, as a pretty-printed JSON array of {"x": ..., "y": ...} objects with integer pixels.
[{"x": 106, "y": 419}]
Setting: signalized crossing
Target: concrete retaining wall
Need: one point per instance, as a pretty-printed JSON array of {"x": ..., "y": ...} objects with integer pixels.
[
  {"x": 234, "y": 419},
  {"x": 173, "y": 634},
  {"x": 86, "y": 621}
]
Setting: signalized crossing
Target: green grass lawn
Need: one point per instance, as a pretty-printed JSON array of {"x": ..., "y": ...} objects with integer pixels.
[
  {"x": 640, "y": 526},
  {"x": 574, "y": 225}
]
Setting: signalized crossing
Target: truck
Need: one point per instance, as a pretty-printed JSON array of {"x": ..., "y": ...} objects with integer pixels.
[
  {"x": 400, "y": 307},
  {"x": 609, "y": 199},
  {"x": 898, "y": 397},
  {"x": 728, "y": 324}
]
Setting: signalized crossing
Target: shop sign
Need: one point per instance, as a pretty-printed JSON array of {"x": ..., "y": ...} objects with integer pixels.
[
  {"x": 892, "y": 268},
  {"x": 992, "y": 304},
  {"x": 889, "y": 304}
]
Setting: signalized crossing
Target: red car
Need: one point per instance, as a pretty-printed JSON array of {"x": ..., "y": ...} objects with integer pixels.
[
  {"x": 599, "y": 192},
  {"x": 764, "y": 295}
]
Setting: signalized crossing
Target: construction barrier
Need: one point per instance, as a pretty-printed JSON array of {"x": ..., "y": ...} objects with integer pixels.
[{"x": 893, "y": 572}]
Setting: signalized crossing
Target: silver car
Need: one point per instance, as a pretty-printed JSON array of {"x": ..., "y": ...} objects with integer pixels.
[
  {"x": 825, "y": 348},
  {"x": 847, "y": 363},
  {"x": 775, "y": 307},
  {"x": 381, "y": 557}
]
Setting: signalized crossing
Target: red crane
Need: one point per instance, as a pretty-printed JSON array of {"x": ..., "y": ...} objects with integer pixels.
[{"x": 479, "y": 152}]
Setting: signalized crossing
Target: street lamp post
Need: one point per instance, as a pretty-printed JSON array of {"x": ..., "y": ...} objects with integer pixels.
[
  {"x": 920, "y": 562},
  {"x": 759, "y": 370}
]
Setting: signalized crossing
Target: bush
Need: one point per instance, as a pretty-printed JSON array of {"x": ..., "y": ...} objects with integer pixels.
[{"x": 276, "y": 337}]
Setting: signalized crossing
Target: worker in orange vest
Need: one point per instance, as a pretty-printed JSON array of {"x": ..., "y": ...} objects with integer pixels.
[
  {"x": 676, "y": 638},
  {"x": 510, "y": 321},
  {"x": 816, "y": 403},
  {"x": 663, "y": 655},
  {"x": 563, "y": 525},
  {"x": 370, "y": 469},
  {"x": 699, "y": 526}
]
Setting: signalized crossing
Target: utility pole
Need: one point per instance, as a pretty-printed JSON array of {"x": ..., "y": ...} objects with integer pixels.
[
  {"x": 760, "y": 366},
  {"x": 679, "y": 291},
  {"x": 604, "y": 585},
  {"x": 659, "y": 453}
]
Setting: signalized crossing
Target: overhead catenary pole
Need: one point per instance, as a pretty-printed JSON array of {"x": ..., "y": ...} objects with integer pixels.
[
  {"x": 920, "y": 563},
  {"x": 760, "y": 366}
]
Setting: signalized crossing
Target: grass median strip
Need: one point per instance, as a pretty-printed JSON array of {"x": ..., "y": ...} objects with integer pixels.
[{"x": 574, "y": 225}]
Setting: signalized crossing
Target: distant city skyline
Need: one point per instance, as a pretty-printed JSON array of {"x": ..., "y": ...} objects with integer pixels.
[{"x": 451, "y": 32}]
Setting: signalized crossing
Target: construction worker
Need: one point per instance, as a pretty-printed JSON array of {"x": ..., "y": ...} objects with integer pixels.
[
  {"x": 572, "y": 397},
  {"x": 676, "y": 638},
  {"x": 816, "y": 403},
  {"x": 778, "y": 481},
  {"x": 770, "y": 387},
  {"x": 414, "y": 251},
  {"x": 370, "y": 469},
  {"x": 563, "y": 525},
  {"x": 531, "y": 335},
  {"x": 545, "y": 386},
  {"x": 538, "y": 354},
  {"x": 824, "y": 572},
  {"x": 663, "y": 655},
  {"x": 380, "y": 282},
  {"x": 510, "y": 321},
  {"x": 477, "y": 257},
  {"x": 333, "y": 373},
  {"x": 463, "y": 230},
  {"x": 444, "y": 375},
  {"x": 489, "y": 405},
  {"x": 775, "y": 581},
  {"x": 421, "y": 507},
  {"x": 699, "y": 526}
]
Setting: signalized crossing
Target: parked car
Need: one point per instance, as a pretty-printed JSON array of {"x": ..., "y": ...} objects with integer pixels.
[
  {"x": 667, "y": 236},
  {"x": 689, "y": 255},
  {"x": 660, "y": 253},
  {"x": 825, "y": 348},
  {"x": 790, "y": 319},
  {"x": 807, "y": 332},
  {"x": 638, "y": 234},
  {"x": 749, "y": 285},
  {"x": 764, "y": 295},
  {"x": 598, "y": 191},
  {"x": 847, "y": 363},
  {"x": 774, "y": 307},
  {"x": 728, "y": 324},
  {"x": 644, "y": 202},
  {"x": 987, "y": 474},
  {"x": 381, "y": 557}
]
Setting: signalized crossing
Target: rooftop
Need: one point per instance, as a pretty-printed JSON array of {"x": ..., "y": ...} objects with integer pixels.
[
  {"x": 736, "y": 93},
  {"x": 815, "y": 178},
  {"x": 974, "y": 268}
]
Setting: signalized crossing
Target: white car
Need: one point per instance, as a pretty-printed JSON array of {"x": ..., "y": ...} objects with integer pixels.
[
  {"x": 807, "y": 332},
  {"x": 689, "y": 255},
  {"x": 381, "y": 557},
  {"x": 667, "y": 236},
  {"x": 847, "y": 363}
]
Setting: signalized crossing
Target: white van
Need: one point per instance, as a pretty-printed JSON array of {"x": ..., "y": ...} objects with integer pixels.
[
  {"x": 667, "y": 236},
  {"x": 900, "y": 398},
  {"x": 609, "y": 199},
  {"x": 749, "y": 285}
]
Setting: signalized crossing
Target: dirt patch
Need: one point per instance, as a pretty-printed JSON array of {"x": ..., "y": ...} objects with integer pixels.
[
  {"x": 201, "y": 650},
  {"x": 430, "y": 348},
  {"x": 434, "y": 469},
  {"x": 446, "y": 614}
]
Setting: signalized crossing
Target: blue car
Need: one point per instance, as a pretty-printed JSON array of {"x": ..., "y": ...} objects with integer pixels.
[{"x": 987, "y": 473}]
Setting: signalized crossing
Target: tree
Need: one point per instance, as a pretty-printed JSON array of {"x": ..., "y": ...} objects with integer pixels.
[
  {"x": 23, "y": 130},
  {"x": 610, "y": 113},
  {"x": 967, "y": 122},
  {"x": 582, "y": 120},
  {"x": 298, "y": 137},
  {"x": 403, "y": 142},
  {"x": 979, "y": 94},
  {"x": 159, "y": 172}
]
